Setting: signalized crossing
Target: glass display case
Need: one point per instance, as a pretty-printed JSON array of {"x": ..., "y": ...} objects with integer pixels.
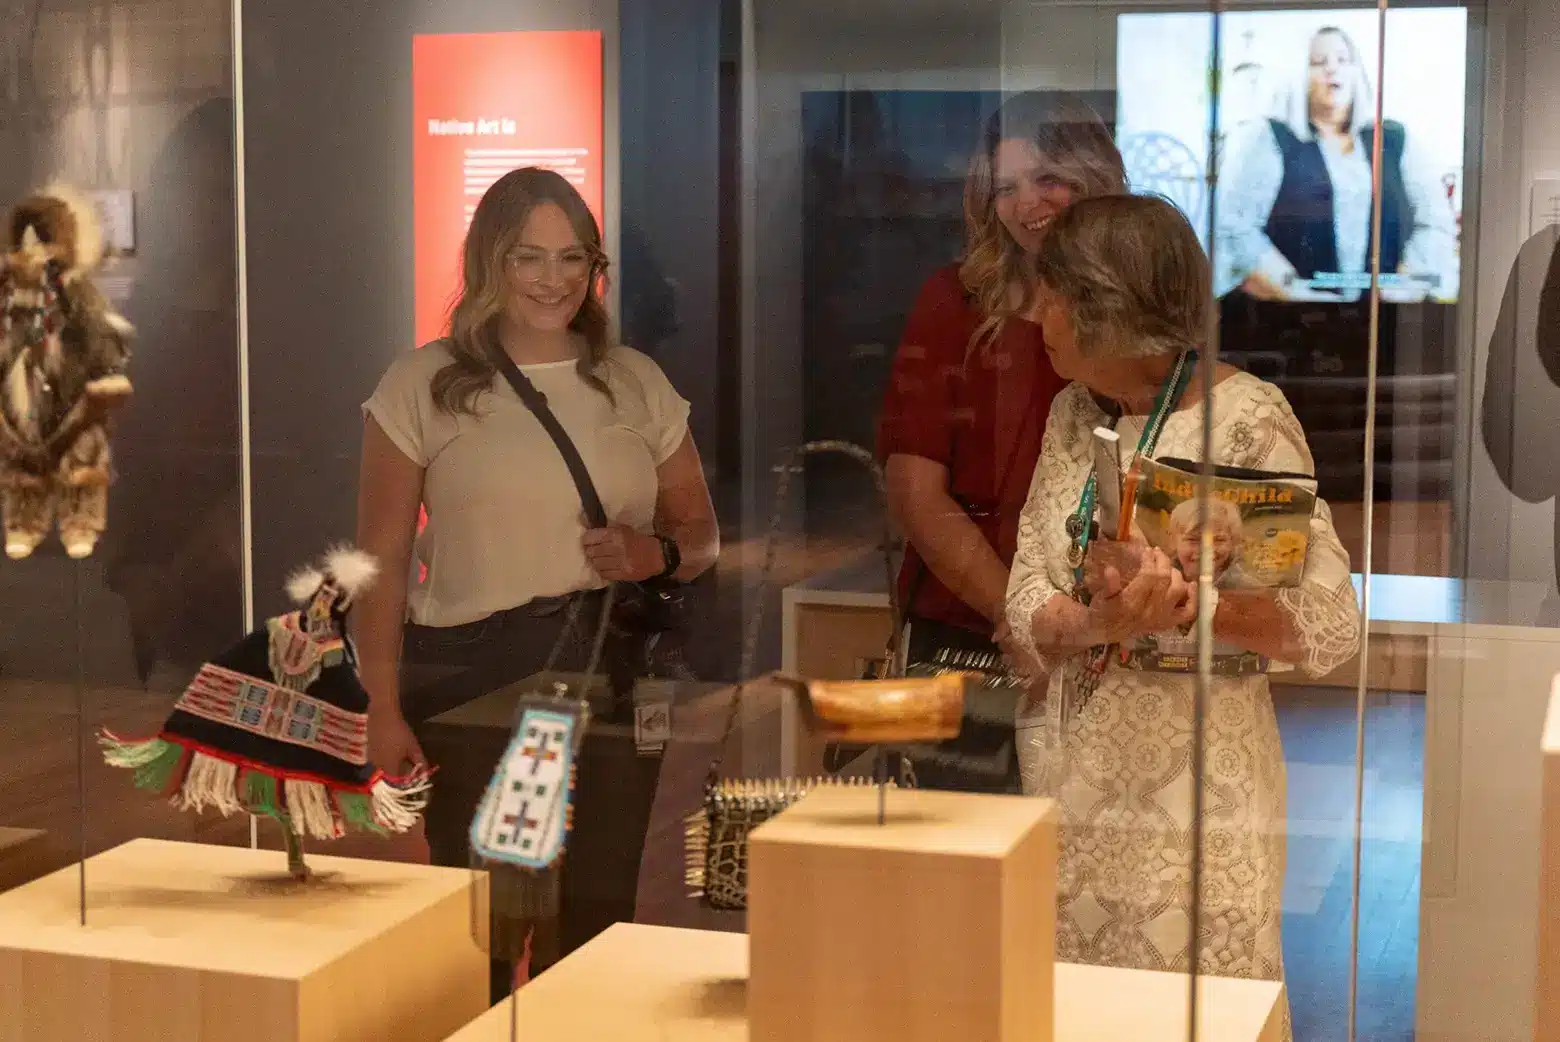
[{"x": 1313, "y": 797}]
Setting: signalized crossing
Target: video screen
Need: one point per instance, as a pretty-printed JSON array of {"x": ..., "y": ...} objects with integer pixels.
[{"x": 1296, "y": 92}]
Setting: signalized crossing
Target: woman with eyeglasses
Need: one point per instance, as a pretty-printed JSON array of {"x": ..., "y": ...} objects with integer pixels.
[{"x": 476, "y": 598}]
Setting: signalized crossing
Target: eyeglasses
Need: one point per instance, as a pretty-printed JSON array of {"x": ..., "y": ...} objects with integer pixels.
[{"x": 532, "y": 264}]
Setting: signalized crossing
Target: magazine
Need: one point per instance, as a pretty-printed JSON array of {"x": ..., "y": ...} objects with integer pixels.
[{"x": 1260, "y": 524}]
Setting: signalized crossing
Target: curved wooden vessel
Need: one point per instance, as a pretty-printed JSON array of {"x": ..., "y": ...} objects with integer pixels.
[{"x": 876, "y": 712}]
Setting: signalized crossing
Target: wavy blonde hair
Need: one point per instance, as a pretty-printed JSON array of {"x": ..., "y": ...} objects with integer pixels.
[
  {"x": 495, "y": 230},
  {"x": 1075, "y": 146}
]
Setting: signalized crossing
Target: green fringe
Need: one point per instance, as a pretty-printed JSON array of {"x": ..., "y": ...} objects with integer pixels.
[
  {"x": 157, "y": 765},
  {"x": 357, "y": 811},
  {"x": 155, "y": 761},
  {"x": 260, "y": 794}
]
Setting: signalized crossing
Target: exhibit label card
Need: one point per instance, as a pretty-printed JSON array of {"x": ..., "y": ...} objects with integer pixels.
[{"x": 485, "y": 104}]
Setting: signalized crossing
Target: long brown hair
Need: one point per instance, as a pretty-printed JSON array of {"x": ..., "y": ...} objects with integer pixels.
[
  {"x": 495, "y": 229},
  {"x": 1075, "y": 146}
]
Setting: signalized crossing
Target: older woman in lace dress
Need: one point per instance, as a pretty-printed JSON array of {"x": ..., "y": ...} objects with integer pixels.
[{"x": 1124, "y": 307}]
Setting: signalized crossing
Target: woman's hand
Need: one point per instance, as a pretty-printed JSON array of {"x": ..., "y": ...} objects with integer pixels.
[
  {"x": 1259, "y": 287},
  {"x": 1111, "y": 565},
  {"x": 391, "y": 745},
  {"x": 620, "y": 554},
  {"x": 1018, "y": 659},
  {"x": 1157, "y": 599}
]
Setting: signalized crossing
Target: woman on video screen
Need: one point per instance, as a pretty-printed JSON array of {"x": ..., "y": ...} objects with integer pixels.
[{"x": 1295, "y": 217}]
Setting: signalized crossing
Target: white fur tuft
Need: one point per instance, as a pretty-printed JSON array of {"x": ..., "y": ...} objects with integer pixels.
[
  {"x": 353, "y": 569},
  {"x": 302, "y": 583},
  {"x": 89, "y": 230}
]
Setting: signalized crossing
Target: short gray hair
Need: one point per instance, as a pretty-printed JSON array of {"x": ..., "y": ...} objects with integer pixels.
[{"x": 1132, "y": 273}]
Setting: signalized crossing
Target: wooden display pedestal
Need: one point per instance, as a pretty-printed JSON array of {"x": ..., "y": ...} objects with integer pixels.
[
  {"x": 22, "y": 856},
  {"x": 659, "y": 984},
  {"x": 939, "y": 923},
  {"x": 215, "y": 944},
  {"x": 1547, "y": 1004}
]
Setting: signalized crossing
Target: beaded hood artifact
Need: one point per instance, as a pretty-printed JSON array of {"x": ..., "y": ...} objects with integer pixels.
[
  {"x": 63, "y": 352},
  {"x": 278, "y": 724}
]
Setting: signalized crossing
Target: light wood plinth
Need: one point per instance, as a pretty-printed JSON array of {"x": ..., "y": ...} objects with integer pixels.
[
  {"x": 939, "y": 923},
  {"x": 654, "y": 984},
  {"x": 1547, "y": 1008},
  {"x": 214, "y": 944},
  {"x": 23, "y": 855}
]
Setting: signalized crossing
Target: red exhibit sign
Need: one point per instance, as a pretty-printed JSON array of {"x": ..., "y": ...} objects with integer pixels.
[{"x": 484, "y": 104}]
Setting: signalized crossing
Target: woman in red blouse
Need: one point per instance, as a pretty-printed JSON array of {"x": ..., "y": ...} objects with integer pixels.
[{"x": 970, "y": 390}]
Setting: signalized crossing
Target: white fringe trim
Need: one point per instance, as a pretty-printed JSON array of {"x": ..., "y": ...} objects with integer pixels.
[
  {"x": 130, "y": 754},
  {"x": 396, "y": 807},
  {"x": 309, "y": 809},
  {"x": 209, "y": 782}
]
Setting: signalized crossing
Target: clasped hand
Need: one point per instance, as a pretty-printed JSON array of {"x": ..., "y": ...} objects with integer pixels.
[
  {"x": 620, "y": 554},
  {"x": 1135, "y": 590},
  {"x": 1110, "y": 565}
]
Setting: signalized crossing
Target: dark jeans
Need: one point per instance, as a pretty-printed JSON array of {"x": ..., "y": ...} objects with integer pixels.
[{"x": 447, "y": 671}]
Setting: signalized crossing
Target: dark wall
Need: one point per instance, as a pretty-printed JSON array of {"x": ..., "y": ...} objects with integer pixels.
[
  {"x": 328, "y": 137},
  {"x": 669, "y": 271},
  {"x": 164, "y": 588}
]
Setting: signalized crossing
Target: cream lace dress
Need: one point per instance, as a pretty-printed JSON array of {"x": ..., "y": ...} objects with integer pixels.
[{"x": 1121, "y": 766}]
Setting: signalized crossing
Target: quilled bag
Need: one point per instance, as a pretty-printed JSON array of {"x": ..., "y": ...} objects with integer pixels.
[{"x": 717, "y": 837}]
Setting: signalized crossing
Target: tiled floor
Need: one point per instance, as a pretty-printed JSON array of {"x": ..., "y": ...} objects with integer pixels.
[{"x": 1319, "y": 736}]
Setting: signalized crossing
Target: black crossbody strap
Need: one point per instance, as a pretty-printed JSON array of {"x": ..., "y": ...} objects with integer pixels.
[{"x": 536, "y": 401}]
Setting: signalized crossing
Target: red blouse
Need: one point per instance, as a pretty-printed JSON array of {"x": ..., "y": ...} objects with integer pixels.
[{"x": 983, "y": 420}]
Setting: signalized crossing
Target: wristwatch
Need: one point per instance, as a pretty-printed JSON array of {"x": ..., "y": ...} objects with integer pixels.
[{"x": 671, "y": 553}]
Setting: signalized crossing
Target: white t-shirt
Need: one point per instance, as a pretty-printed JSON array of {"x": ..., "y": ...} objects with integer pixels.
[{"x": 504, "y": 518}]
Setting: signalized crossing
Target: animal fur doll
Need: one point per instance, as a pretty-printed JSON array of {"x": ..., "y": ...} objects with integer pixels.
[{"x": 63, "y": 352}]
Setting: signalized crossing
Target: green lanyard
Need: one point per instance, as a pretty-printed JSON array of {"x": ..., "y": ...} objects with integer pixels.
[{"x": 1080, "y": 523}]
